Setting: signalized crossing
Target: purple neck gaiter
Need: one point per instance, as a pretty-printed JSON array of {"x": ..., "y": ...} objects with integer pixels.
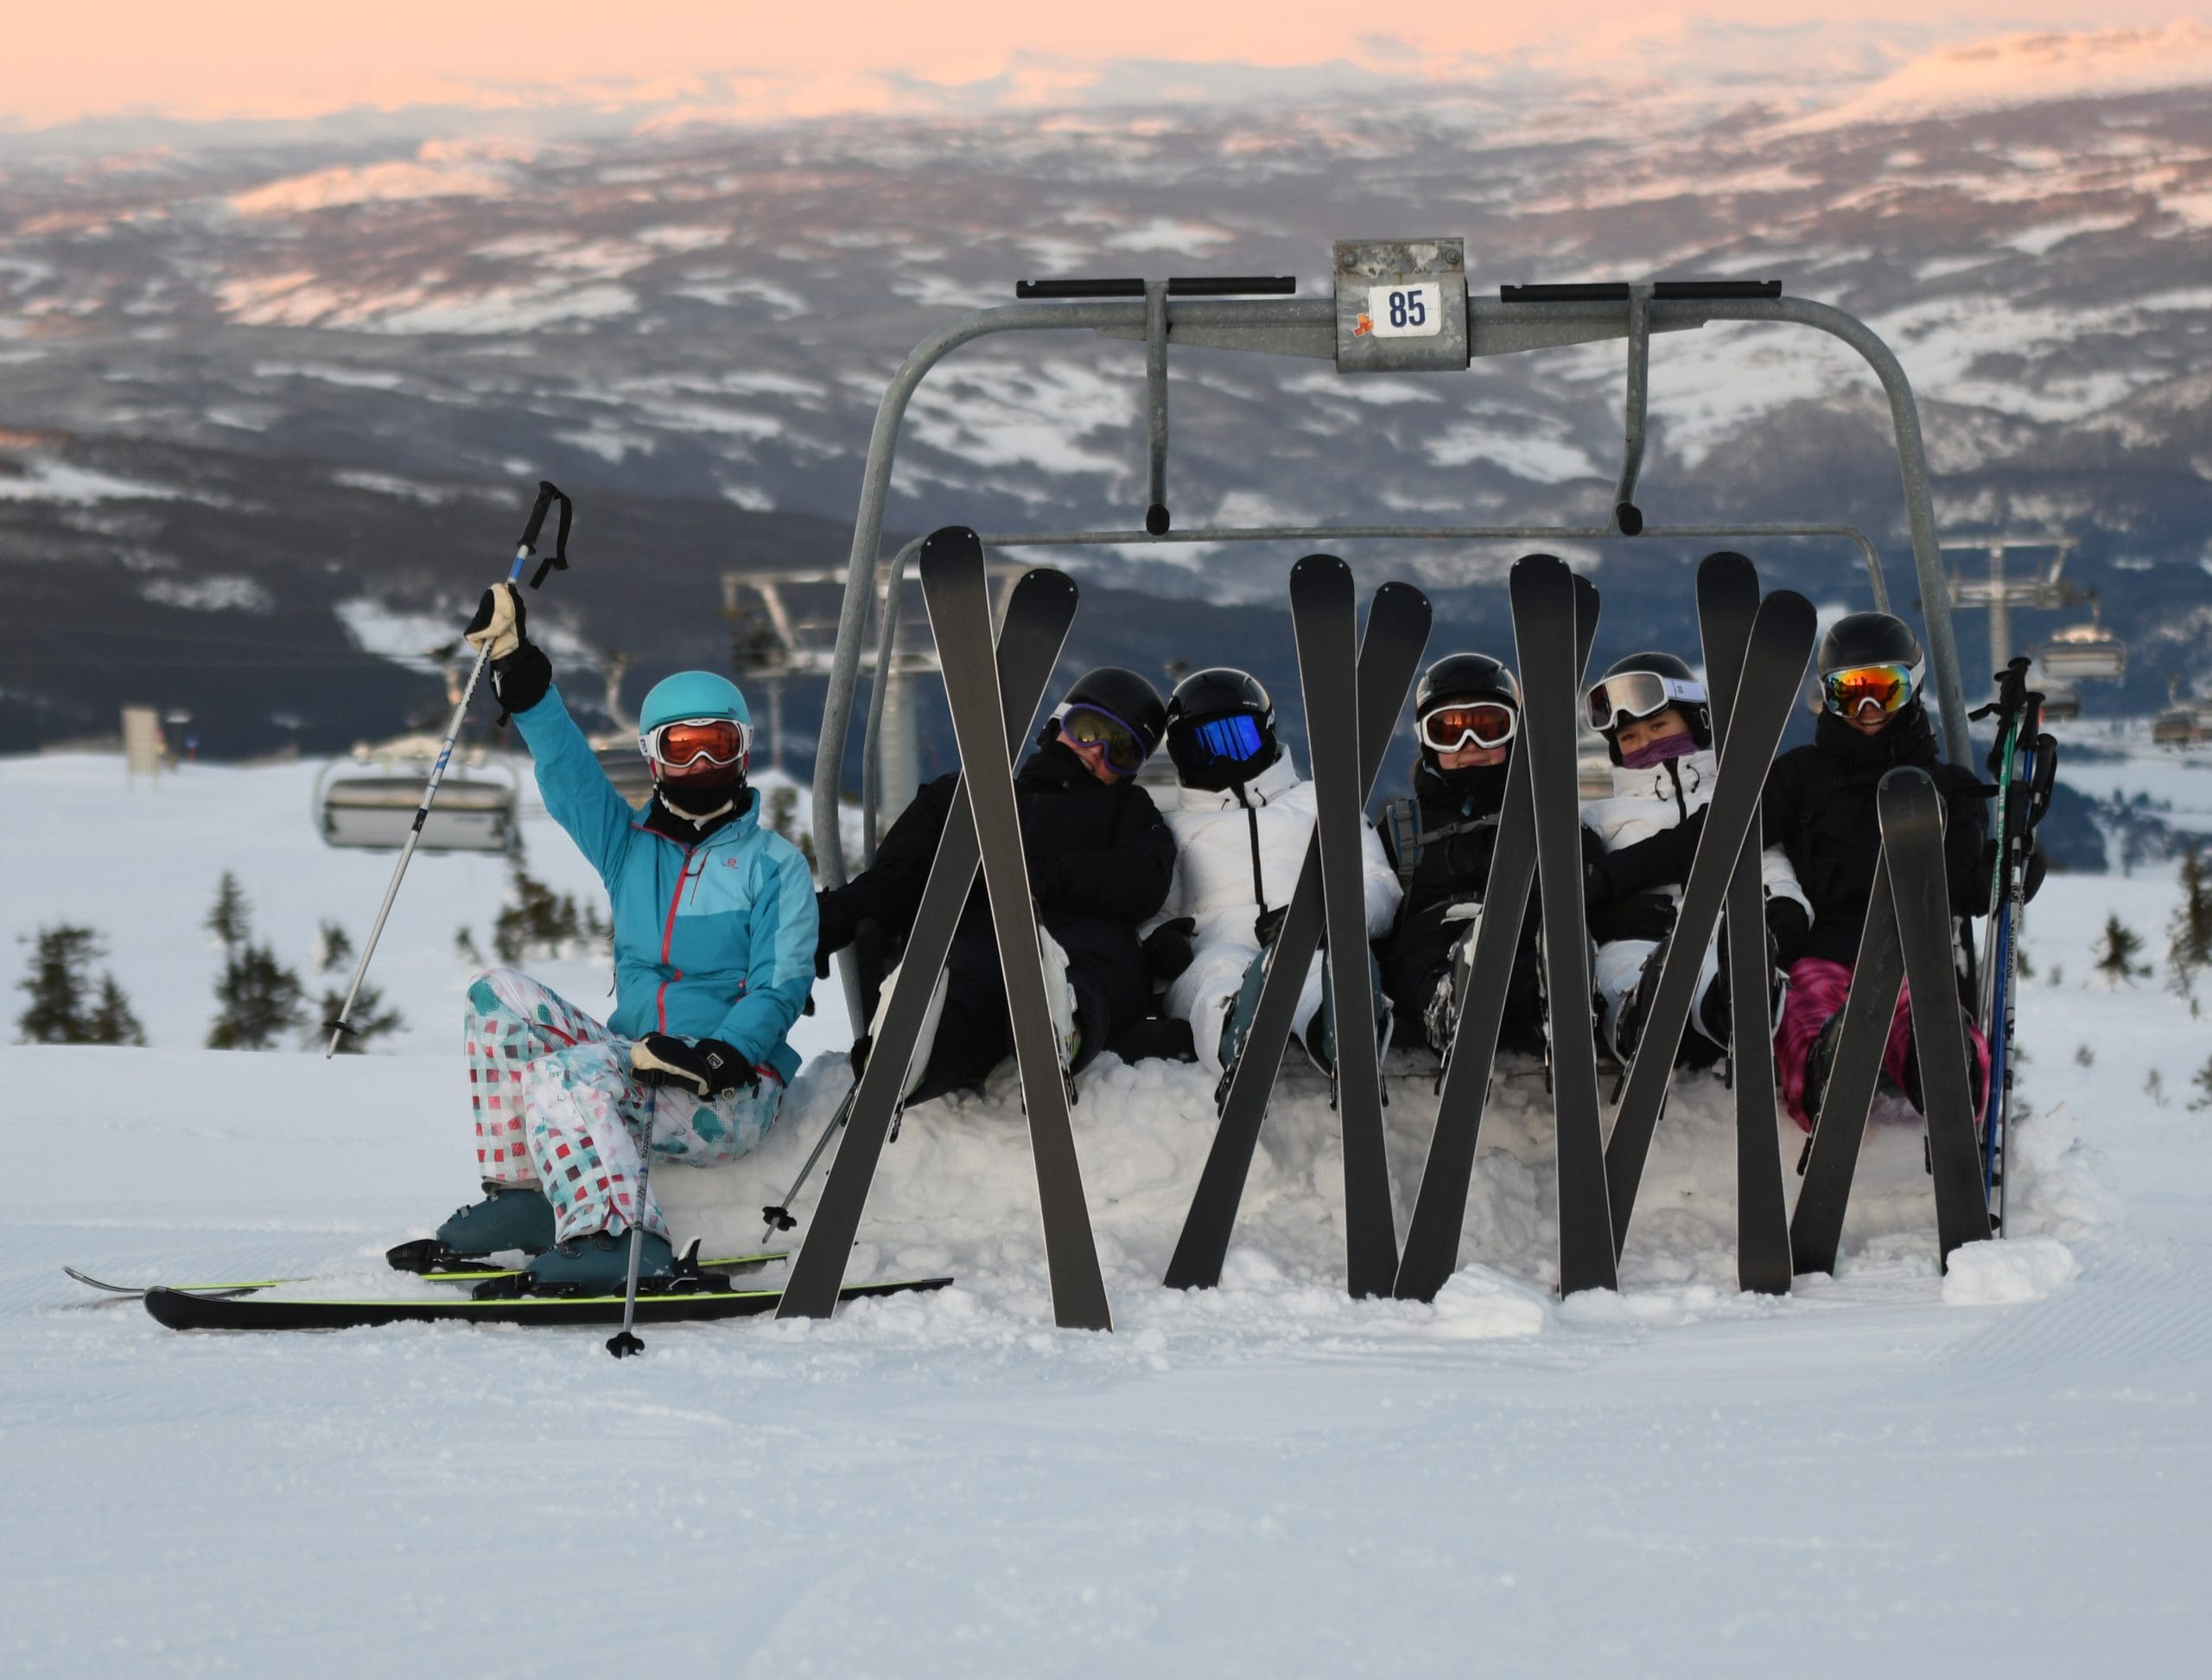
[{"x": 1659, "y": 751}]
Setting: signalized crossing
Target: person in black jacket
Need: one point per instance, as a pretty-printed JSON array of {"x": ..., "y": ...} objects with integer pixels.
[
  {"x": 1100, "y": 860},
  {"x": 1467, "y": 716},
  {"x": 1820, "y": 808}
]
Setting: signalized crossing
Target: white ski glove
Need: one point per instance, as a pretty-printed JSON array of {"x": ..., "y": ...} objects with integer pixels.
[{"x": 498, "y": 621}]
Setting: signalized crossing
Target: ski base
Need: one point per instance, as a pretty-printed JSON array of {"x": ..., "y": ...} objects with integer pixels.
[{"x": 179, "y": 1310}]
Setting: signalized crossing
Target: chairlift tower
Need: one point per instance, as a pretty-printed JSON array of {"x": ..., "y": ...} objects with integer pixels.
[
  {"x": 1999, "y": 592},
  {"x": 1396, "y": 308}
]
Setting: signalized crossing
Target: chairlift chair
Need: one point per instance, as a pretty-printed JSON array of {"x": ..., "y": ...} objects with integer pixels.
[{"x": 367, "y": 801}]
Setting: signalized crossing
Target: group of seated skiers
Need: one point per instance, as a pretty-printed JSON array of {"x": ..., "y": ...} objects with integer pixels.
[
  {"x": 1166, "y": 917},
  {"x": 1157, "y": 922}
]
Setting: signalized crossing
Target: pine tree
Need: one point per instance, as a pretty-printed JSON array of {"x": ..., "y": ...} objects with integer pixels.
[
  {"x": 112, "y": 1021},
  {"x": 2188, "y": 934},
  {"x": 62, "y": 1008},
  {"x": 261, "y": 1000},
  {"x": 57, "y": 985},
  {"x": 228, "y": 919},
  {"x": 2117, "y": 952},
  {"x": 371, "y": 1020},
  {"x": 337, "y": 947},
  {"x": 2204, "y": 1084}
]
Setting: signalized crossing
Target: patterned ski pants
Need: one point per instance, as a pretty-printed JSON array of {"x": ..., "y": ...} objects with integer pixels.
[
  {"x": 556, "y": 1106},
  {"x": 1817, "y": 990}
]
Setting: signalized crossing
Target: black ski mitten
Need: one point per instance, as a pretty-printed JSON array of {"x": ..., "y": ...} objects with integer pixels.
[
  {"x": 1167, "y": 950},
  {"x": 1788, "y": 927},
  {"x": 707, "y": 1067},
  {"x": 520, "y": 672}
]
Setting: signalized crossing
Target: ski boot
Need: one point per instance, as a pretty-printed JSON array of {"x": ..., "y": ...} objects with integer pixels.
[
  {"x": 598, "y": 1263},
  {"x": 511, "y": 1216}
]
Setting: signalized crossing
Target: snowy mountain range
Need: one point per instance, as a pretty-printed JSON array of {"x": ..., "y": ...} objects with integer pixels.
[{"x": 264, "y": 390}]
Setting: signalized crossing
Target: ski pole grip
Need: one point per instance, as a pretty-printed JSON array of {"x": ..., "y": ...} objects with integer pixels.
[{"x": 548, "y": 493}]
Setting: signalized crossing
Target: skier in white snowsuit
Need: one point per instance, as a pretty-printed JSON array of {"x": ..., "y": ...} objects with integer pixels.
[
  {"x": 1241, "y": 818},
  {"x": 1653, "y": 713}
]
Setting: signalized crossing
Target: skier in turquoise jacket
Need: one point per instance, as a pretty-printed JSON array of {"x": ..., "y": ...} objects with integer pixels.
[{"x": 714, "y": 957}]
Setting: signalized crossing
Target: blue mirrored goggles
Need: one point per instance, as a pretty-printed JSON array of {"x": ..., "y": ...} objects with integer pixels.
[{"x": 1235, "y": 739}]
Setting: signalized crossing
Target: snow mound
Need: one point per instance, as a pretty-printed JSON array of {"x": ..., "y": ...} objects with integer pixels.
[{"x": 2008, "y": 1273}]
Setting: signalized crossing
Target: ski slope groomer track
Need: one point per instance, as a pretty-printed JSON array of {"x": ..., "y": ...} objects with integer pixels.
[{"x": 2006, "y": 1471}]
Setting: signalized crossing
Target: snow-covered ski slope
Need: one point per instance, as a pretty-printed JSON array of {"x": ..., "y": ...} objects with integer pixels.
[{"x": 1888, "y": 1472}]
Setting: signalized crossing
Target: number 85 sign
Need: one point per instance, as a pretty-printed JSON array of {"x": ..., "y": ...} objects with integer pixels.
[{"x": 1406, "y": 311}]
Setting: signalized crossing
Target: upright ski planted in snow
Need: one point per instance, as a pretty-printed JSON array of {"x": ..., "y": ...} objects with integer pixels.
[
  {"x": 1390, "y": 653},
  {"x": 1431, "y": 1252},
  {"x": 1545, "y": 611},
  {"x": 1038, "y": 616},
  {"x": 957, "y": 590},
  {"x": 1831, "y": 1157},
  {"x": 1727, "y": 603},
  {"x": 1912, "y": 835},
  {"x": 1773, "y": 666},
  {"x": 1322, "y": 607}
]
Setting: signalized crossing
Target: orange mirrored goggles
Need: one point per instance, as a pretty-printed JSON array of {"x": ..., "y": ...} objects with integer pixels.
[
  {"x": 697, "y": 742},
  {"x": 1889, "y": 686},
  {"x": 1485, "y": 723}
]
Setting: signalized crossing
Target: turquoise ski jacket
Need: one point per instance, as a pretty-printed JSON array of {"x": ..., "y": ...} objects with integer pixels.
[{"x": 711, "y": 941}]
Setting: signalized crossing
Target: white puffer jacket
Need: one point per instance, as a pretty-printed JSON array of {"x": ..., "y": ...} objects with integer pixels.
[
  {"x": 1214, "y": 837},
  {"x": 1646, "y": 802}
]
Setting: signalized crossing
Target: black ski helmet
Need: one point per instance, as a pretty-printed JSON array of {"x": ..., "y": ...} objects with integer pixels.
[
  {"x": 1692, "y": 705},
  {"x": 1462, "y": 677},
  {"x": 1865, "y": 638},
  {"x": 1124, "y": 696},
  {"x": 1213, "y": 695},
  {"x": 1465, "y": 677},
  {"x": 1871, "y": 639}
]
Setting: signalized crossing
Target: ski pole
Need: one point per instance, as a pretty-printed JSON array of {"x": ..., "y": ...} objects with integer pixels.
[
  {"x": 779, "y": 1217},
  {"x": 624, "y": 1342},
  {"x": 557, "y": 561}
]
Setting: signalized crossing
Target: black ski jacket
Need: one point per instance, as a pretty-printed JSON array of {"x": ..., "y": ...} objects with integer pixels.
[
  {"x": 1101, "y": 859},
  {"x": 1460, "y": 836},
  {"x": 1819, "y": 807}
]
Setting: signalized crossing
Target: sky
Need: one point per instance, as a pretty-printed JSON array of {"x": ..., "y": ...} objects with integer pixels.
[{"x": 302, "y": 59}]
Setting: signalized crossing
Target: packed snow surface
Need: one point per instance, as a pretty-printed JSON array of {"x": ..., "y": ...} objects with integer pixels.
[{"x": 1890, "y": 1471}]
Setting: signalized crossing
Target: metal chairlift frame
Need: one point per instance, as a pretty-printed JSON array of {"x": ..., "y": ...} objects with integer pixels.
[{"x": 1221, "y": 314}]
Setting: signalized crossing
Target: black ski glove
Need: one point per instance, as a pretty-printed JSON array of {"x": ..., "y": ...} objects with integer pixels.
[
  {"x": 1268, "y": 924},
  {"x": 1788, "y": 927},
  {"x": 520, "y": 672},
  {"x": 707, "y": 1067},
  {"x": 1167, "y": 950},
  {"x": 833, "y": 932}
]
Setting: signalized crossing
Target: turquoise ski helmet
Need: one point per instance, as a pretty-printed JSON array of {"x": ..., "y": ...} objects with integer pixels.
[{"x": 692, "y": 696}]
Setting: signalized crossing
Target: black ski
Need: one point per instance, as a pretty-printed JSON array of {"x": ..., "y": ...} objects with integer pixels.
[
  {"x": 957, "y": 588},
  {"x": 1831, "y": 1157},
  {"x": 1774, "y": 659},
  {"x": 1324, "y": 618},
  {"x": 1431, "y": 1252},
  {"x": 1912, "y": 834},
  {"x": 1038, "y": 616},
  {"x": 1546, "y": 610},
  {"x": 1389, "y": 655},
  {"x": 1727, "y": 603},
  {"x": 182, "y": 1310},
  {"x": 454, "y": 1273}
]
